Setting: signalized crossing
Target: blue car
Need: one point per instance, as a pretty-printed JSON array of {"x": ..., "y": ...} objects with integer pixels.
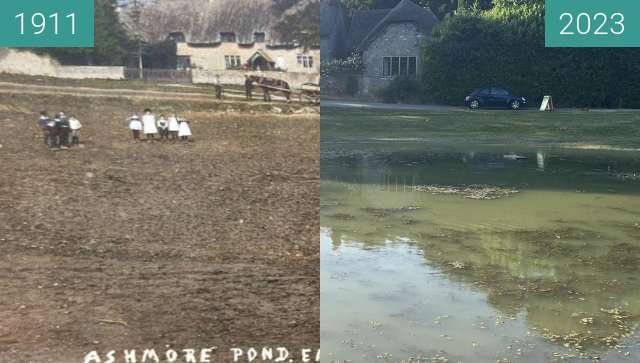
[{"x": 494, "y": 98}]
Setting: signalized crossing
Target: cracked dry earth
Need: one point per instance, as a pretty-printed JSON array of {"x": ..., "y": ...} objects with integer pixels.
[{"x": 121, "y": 245}]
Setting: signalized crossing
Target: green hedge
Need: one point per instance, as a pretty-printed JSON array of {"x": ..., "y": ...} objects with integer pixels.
[{"x": 504, "y": 47}]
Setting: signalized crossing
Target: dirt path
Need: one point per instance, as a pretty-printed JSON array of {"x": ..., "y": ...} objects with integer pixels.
[{"x": 121, "y": 245}]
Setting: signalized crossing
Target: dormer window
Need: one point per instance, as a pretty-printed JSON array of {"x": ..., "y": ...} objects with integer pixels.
[
  {"x": 177, "y": 37},
  {"x": 259, "y": 37},
  {"x": 228, "y": 37}
]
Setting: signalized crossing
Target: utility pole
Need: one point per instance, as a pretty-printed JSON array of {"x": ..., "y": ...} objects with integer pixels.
[{"x": 136, "y": 18}]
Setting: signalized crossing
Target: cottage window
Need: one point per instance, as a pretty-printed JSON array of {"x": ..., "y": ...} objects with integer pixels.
[
  {"x": 413, "y": 61},
  {"x": 183, "y": 62},
  {"x": 399, "y": 66},
  {"x": 259, "y": 37},
  {"x": 395, "y": 66},
  {"x": 306, "y": 61},
  {"x": 228, "y": 37},
  {"x": 386, "y": 66},
  {"x": 403, "y": 65},
  {"x": 177, "y": 37},
  {"x": 232, "y": 61}
]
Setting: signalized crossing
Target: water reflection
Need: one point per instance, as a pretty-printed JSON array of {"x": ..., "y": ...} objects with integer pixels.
[
  {"x": 540, "y": 158},
  {"x": 547, "y": 169},
  {"x": 545, "y": 274}
]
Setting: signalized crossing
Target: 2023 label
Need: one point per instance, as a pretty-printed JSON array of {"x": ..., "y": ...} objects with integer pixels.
[
  {"x": 592, "y": 23},
  {"x": 46, "y": 23},
  {"x": 583, "y": 24}
]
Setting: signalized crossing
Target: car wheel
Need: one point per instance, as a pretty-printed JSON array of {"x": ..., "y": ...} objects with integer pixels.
[
  {"x": 515, "y": 105},
  {"x": 474, "y": 105}
]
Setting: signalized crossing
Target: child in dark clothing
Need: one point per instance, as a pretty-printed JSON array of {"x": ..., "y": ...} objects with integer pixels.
[
  {"x": 163, "y": 127},
  {"x": 43, "y": 122},
  {"x": 53, "y": 132},
  {"x": 63, "y": 131}
]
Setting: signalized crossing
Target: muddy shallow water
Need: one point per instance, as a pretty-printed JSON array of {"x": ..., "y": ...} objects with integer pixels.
[{"x": 414, "y": 268}]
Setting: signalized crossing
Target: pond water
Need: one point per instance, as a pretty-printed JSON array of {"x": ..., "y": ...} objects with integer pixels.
[{"x": 479, "y": 254}]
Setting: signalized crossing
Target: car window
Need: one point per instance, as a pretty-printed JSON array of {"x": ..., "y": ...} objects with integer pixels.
[
  {"x": 485, "y": 91},
  {"x": 499, "y": 92}
]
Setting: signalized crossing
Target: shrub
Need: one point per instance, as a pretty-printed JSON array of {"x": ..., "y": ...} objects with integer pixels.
[
  {"x": 351, "y": 86},
  {"x": 351, "y": 64},
  {"x": 505, "y": 47},
  {"x": 402, "y": 89}
]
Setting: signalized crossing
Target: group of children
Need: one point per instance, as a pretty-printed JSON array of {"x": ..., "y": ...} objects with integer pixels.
[
  {"x": 60, "y": 132},
  {"x": 171, "y": 128}
]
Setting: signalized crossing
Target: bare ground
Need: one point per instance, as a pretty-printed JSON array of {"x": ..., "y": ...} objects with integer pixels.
[{"x": 122, "y": 245}]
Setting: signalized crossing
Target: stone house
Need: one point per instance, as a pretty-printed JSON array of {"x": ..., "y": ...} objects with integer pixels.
[
  {"x": 231, "y": 51},
  {"x": 388, "y": 40}
]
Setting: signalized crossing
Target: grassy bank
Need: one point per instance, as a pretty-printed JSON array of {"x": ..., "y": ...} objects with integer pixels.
[
  {"x": 138, "y": 85},
  {"x": 581, "y": 129}
]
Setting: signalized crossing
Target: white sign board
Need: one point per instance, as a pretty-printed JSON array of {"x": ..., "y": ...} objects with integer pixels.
[{"x": 547, "y": 104}]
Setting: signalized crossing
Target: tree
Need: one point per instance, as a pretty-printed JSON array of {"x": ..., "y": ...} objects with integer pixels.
[
  {"x": 505, "y": 46},
  {"x": 441, "y": 8},
  {"x": 161, "y": 55},
  {"x": 136, "y": 16},
  {"x": 110, "y": 40},
  {"x": 353, "y": 5},
  {"x": 298, "y": 21}
]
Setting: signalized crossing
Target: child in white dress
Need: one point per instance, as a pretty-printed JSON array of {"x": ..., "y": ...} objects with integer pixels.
[
  {"x": 174, "y": 126},
  {"x": 75, "y": 126},
  {"x": 184, "y": 130},
  {"x": 149, "y": 124}
]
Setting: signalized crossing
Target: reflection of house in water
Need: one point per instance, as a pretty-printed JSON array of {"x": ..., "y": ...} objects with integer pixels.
[
  {"x": 255, "y": 51},
  {"x": 540, "y": 158}
]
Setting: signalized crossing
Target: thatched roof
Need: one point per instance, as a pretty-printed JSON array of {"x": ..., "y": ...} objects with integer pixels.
[
  {"x": 362, "y": 22},
  {"x": 405, "y": 12},
  {"x": 366, "y": 25}
]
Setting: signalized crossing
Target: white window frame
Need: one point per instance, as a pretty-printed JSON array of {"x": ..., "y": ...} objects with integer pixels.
[
  {"x": 399, "y": 59},
  {"x": 232, "y": 61},
  {"x": 305, "y": 61}
]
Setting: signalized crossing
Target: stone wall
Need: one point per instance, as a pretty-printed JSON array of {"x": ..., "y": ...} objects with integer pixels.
[
  {"x": 396, "y": 40},
  {"x": 28, "y": 63},
  {"x": 92, "y": 72},
  {"x": 236, "y": 77}
]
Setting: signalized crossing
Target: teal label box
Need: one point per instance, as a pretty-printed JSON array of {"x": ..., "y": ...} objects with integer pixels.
[
  {"x": 592, "y": 23},
  {"x": 46, "y": 23}
]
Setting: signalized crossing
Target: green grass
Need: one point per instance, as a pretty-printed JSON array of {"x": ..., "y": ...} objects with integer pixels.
[{"x": 619, "y": 129}]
